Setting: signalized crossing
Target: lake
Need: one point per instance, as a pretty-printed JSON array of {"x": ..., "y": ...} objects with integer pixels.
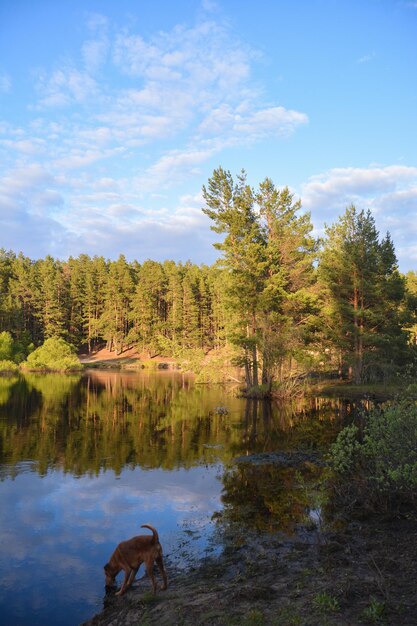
[{"x": 86, "y": 459}]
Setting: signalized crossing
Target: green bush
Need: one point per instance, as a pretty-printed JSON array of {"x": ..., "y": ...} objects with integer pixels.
[
  {"x": 6, "y": 346},
  {"x": 7, "y": 366},
  {"x": 12, "y": 349},
  {"x": 54, "y": 355},
  {"x": 378, "y": 470}
]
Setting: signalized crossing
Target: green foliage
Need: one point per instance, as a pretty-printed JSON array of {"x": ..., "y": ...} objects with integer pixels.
[
  {"x": 6, "y": 346},
  {"x": 267, "y": 255},
  {"x": 12, "y": 350},
  {"x": 363, "y": 307},
  {"x": 379, "y": 469},
  {"x": 374, "y": 613},
  {"x": 258, "y": 391},
  {"x": 324, "y": 602},
  {"x": 253, "y": 618},
  {"x": 411, "y": 389},
  {"x": 287, "y": 616},
  {"x": 266, "y": 296},
  {"x": 8, "y": 366},
  {"x": 347, "y": 451},
  {"x": 55, "y": 354}
]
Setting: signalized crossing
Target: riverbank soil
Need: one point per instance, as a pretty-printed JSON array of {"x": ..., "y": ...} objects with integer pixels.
[
  {"x": 128, "y": 358},
  {"x": 364, "y": 573}
]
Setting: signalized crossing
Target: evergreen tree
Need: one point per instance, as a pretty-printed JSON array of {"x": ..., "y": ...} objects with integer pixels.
[
  {"x": 192, "y": 336},
  {"x": 218, "y": 315},
  {"x": 288, "y": 301},
  {"x": 51, "y": 298},
  {"x": 174, "y": 302},
  {"x": 231, "y": 206},
  {"x": 22, "y": 290},
  {"x": 149, "y": 306},
  {"x": 7, "y": 309},
  {"x": 115, "y": 321},
  {"x": 95, "y": 293},
  {"x": 411, "y": 306},
  {"x": 365, "y": 294},
  {"x": 75, "y": 270},
  {"x": 268, "y": 255}
]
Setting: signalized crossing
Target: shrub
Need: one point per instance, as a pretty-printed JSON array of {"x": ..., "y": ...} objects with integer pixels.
[
  {"x": 12, "y": 349},
  {"x": 378, "y": 470},
  {"x": 7, "y": 366},
  {"x": 6, "y": 346},
  {"x": 55, "y": 354}
]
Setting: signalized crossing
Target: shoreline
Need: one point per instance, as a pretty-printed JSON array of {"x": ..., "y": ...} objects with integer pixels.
[{"x": 362, "y": 574}]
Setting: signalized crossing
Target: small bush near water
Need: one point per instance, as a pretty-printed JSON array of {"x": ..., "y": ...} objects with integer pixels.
[
  {"x": 54, "y": 355},
  {"x": 8, "y": 367},
  {"x": 376, "y": 469}
]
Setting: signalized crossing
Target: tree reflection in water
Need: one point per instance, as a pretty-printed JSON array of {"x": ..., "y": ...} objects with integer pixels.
[{"x": 111, "y": 420}]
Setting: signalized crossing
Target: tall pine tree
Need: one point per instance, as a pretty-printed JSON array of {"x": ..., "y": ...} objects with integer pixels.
[{"x": 364, "y": 294}]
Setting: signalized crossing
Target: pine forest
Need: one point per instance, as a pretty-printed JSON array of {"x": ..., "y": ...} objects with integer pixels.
[{"x": 279, "y": 301}]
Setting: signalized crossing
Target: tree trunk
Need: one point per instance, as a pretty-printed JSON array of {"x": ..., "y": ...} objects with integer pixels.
[
  {"x": 357, "y": 367},
  {"x": 248, "y": 374},
  {"x": 255, "y": 374}
]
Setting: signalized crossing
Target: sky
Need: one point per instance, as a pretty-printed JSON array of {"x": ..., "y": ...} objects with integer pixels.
[{"x": 113, "y": 115}]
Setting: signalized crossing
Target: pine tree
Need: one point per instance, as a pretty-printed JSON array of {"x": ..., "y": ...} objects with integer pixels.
[
  {"x": 288, "y": 301},
  {"x": 22, "y": 291},
  {"x": 115, "y": 321},
  {"x": 231, "y": 207},
  {"x": 174, "y": 302},
  {"x": 51, "y": 298},
  {"x": 191, "y": 337},
  {"x": 149, "y": 306},
  {"x": 268, "y": 257},
  {"x": 365, "y": 294},
  {"x": 95, "y": 293}
]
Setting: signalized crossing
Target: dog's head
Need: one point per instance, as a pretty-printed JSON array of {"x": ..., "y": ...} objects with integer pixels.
[{"x": 109, "y": 575}]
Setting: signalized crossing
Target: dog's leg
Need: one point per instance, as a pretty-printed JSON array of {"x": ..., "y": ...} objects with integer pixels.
[
  {"x": 160, "y": 564},
  {"x": 149, "y": 571},
  {"x": 132, "y": 576},
  {"x": 125, "y": 583}
]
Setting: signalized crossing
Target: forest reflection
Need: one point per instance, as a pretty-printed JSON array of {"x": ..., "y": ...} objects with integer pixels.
[
  {"x": 116, "y": 421},
  {"x": 105, "y": 420}
]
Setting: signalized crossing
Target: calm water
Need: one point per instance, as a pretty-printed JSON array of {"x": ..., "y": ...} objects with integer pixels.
[{"x": 85, "y": 460}]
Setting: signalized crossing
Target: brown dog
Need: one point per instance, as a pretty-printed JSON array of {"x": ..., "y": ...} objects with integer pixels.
[{"x": 129, "y": 555}]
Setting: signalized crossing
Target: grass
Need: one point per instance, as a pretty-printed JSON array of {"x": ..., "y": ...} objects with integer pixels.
[
  {"x": 373, "y": 614},
  {"x": 287, "y": 617},
  {"x": 149, "y": 598},
  {"x": 324, "y": 602},
  {"x": 350, "y": 390}
]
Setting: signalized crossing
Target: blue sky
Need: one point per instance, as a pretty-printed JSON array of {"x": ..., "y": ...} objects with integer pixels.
[{"x": 114, "y": 114}]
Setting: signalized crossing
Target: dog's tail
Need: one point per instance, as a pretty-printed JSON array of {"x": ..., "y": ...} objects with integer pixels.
[{"x": 155, "y": 538}]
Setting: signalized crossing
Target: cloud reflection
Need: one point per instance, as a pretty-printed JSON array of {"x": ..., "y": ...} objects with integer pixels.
[{"x": 57, "y": 531}]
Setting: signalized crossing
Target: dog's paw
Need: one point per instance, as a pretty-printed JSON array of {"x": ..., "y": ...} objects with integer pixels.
[{"x": 118, "y": 593}]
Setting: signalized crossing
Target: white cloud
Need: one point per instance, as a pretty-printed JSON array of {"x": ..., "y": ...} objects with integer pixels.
[
  {"x": 366, "y": 58},
  {"x": 5, "y": 83},
  {"x": 84, "y": 173},
  {"x": 172, "y": 168},
  {"x": 272, "y": 120},
  {"x": 390, "y": 192},
  {"x": 94, "y": 53},
  {"x": 65, "y": 86},
  {"x": 343, "y": 185}
]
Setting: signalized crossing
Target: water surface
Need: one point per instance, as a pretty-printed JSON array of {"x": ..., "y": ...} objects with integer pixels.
[{"x": 84, "y": 460}]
